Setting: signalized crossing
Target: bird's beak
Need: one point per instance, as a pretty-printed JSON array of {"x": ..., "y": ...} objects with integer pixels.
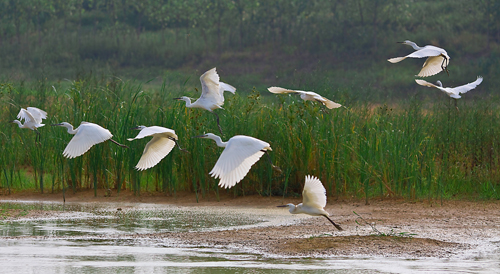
[
  {"x": 56, "y": 125},
  {"x": 400, "y": 42},
  {"x": 282, "y": 206},
  {"x": 138, "y": 127},
  {"x": 200, "y": 136},
  {"x": 177, "y": 98}
]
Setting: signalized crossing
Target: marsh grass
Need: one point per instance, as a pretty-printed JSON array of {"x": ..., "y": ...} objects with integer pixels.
[{"x": 406, "y": 149}]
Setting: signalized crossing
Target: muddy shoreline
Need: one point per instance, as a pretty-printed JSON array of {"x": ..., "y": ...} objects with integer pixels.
[{"x": 388, "y": 228}]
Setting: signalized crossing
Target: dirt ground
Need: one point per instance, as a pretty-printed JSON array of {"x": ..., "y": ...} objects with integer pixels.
[{"x": 393, "y": 228}]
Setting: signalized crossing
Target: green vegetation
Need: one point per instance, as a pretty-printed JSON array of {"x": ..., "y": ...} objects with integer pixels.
[
  {"x": 119, "y": 63},
  {"x": 295, "y": 43},
  {"x": 363, "y": 150}
]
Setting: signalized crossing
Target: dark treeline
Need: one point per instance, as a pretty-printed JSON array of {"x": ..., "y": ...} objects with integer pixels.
[{"x": 60, "y": 37}]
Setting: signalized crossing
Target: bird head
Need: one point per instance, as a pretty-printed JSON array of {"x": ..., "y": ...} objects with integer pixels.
[
  {"x": 206, "y": 135},
  {"x": 183, "y": 98},
  {"x": 63, "y": 124},
  {"x": 139, "y": 127},
  {"x": 406, "y": 42},
  {"x": 287, "y": 205},
  {"x": 439, "y": 83}
]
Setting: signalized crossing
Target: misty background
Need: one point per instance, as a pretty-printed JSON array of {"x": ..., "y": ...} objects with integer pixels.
[{"x": 325, "y": 46}]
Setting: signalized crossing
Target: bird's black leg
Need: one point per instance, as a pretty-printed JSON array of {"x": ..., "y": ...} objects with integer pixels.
[
  {"x": 277, "y": 168},
  {"x": 218, "y": 125},
  {"x": 445, "y": 67},
  {"x": 456, "y": 103},
  {"x": 336, "y": 225},
  {"x": 64, "y": 193},
  {"x": 38, "y": 137},
  {"x": 175, "y": 141},
  {"x": 118, "y": 143}
]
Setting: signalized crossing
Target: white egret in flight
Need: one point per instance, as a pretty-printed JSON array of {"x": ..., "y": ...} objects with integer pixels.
[
  {"x": 212, "y": 94},
  {"x": 32, "y": 117},
  {"x": 452, "y": 92},
  {"x": 314, "y": 200},
  {"x": 164, "y": 140},
  {"x": 306, "y": 96},
  {"x": 86, "y": 136},
  {"x": 240, "y": 153},
  {"x": 436, "y": 62}
]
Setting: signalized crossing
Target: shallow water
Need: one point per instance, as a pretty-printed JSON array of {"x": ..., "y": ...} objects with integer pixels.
[
  {"x": 91, "y": 238},
  {"x": 105, "y": 220}
]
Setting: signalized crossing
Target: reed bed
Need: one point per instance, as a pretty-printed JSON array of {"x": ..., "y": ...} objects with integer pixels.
[{"x": 363, "y": 151}]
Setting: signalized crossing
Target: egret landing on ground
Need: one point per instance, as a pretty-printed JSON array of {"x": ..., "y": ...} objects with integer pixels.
[
  {"x": 240, "y": 153},
  {"x": 452, "y": 92},
  {"x": 212, "y": 94},
  {"x": 32, "y": 119},
  {"x": 306, "y": 96},
  {"x": 164, "y": 140},
  {"x": 86, "y": 136},
  {"x": 314, "y": 200},
  {"x": 436, "y": 62}
]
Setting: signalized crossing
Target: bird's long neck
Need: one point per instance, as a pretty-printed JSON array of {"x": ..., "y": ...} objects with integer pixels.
[
  {"x": 414, "y": 46},
  {"x": 70, "y": 128},
  {"x": 18, "y": 123},
  {"x": 188, "y": 102},
  {"x": 218, "y": 141}
]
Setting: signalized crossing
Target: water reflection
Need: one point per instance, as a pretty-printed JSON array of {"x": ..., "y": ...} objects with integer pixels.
[{"x": 90, "y": 238}]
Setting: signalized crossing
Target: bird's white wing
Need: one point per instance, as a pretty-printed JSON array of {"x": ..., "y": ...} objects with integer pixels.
[
  {"x": 328, "y": 103},
  {"x": 432, "y": 66},
  {"x": 314, "y": 193},
  {"x": 396, "y": 59},
  {"x": 156, "y": 149},
  {"x": 278, "y": 90},
  {"x": 26, "y": 115},
  {"x": 38, "y": 114},
  {"x": 448, "y": 91},
  {"x": 425, "y": 83},
  {"x": 240, "y": 153},
  {"x": 426, "y": 52},
  {"x": 210, "y": 87},
  {"x": 88, "y": 135},
  {"x": 467, "y": 87},
  {"x": 225, "y": 87},
  {"x": 149, "y": 131}
]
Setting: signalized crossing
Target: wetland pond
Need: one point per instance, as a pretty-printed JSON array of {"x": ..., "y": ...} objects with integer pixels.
[{"x": 49, "y": 237}]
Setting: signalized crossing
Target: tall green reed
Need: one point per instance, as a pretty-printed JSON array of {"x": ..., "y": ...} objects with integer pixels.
[{"x": 364, "y": 150}]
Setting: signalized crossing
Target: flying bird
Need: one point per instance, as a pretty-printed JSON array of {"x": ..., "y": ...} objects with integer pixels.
[
  {"x": 164, "y": 140},
  {"x": 437, "y": 58},
  {"x": 240, "y": 153},
  {"x": 86, "y": 136},
  {"x": 306, "y": 96},
  {"x": 452, "y": 92},
  {"x": 32, "y": 117},
  {"x": 212, "y": 94},
  {"x": 314, "y": 200}
]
